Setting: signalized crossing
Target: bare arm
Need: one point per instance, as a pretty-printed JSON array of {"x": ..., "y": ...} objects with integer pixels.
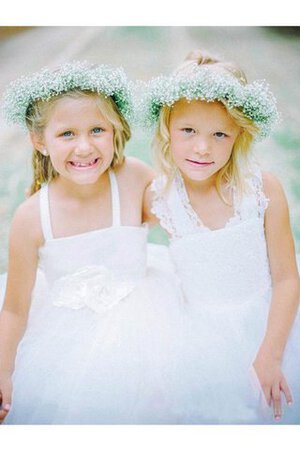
[
  {"x": 146, "y": 175},
  {"x": 141, "y": 177},
  {"x": 285, "y": 295},
  {"x": 284, "y": 272},
  {"x": 21, "y": 277}
]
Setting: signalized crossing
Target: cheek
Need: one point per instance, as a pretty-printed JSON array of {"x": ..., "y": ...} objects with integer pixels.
[
  {"x": 59, "y": 153},
  {"x": 175, "y": 151},
  {"x": 57, "y": 158},
  {"x": 108, "y": 141},
  {"x": 227, "y": 151},
  {"x": 57, "y": 164},
  {"x": 223, "y": 146},
  {"x": 177, "y": 145}
]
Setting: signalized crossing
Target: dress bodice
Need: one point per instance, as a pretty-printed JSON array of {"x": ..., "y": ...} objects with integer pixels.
[
  {"x": 109, "y": 259},
  {"x": 222, "y": 265}
]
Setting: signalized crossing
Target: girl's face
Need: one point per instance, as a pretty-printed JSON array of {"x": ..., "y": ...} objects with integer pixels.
[
  {"x": 202, "y": 135},
  {"x": 78, "y": 139}
]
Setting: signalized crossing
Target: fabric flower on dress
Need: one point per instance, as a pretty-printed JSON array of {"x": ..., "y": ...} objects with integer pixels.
[{"x": 93, "y": 287}]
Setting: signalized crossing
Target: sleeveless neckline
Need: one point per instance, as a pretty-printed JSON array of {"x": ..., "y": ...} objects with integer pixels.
[
  {"x": 194, "y": 216},
  {"x": 116, "y": 213},
  {"x": 171, "y": 205}
]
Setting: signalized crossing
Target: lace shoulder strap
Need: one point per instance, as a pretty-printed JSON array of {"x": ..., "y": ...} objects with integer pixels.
[
  {"x": 160, "y": 207},
  {"x": 169, "y": 205},
  {"x": 256, "y": 183}
]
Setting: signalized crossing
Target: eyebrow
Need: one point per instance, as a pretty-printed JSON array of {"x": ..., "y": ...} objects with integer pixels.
[
  {"x": 63, "y": 126},
  {"x": 215, "y": 128},
  {"x": 184, "y": 124}
]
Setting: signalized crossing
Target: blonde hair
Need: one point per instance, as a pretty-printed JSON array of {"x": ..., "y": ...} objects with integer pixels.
[
  {"x": 37, "y": 117},
  {"x": 233, "y": 173}
]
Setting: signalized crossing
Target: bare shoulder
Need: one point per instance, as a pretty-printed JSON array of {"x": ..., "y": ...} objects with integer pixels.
[
  {"x": 273, "y": 189},
  {"x": 25, "y": 239},
  {"x": 26, "y": 220},
  {"x": 28, "y": 210},
  {"x": 137, "y": 171},
  {"x": 277, "y": 212},
  {"x": 271, "y": 183}
]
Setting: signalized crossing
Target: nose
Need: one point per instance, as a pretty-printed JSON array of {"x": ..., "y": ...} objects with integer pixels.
[
  {"x": 201, "y": 145},
  {"x": 83, "y": 146}
]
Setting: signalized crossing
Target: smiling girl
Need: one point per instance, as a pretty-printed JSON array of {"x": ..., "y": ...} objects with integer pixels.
[{"x": 85, "y": 328}]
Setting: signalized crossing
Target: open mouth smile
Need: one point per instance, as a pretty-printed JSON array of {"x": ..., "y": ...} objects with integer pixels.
[{"x": 84, "y": 165}]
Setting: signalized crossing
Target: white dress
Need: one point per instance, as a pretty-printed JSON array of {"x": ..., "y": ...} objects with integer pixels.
[
  {"x": 99, "y": 346},
  {"x": 227, "y": 285}
]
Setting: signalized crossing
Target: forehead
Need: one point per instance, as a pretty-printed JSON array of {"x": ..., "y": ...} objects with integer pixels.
[
  {"x": 200, "y": 110},
  {"x": 66, "y": 104},
  {"x": 83, "y": 108}
]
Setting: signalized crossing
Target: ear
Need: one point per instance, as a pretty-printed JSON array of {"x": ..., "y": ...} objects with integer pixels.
[{"x": 38, "y": 142}]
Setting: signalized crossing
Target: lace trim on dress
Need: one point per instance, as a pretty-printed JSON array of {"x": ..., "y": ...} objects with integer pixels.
[
  {"x": 160, "y": 206},
  {"x": 178, "y": 218},
  {"x": 261, "y": 199},
  {"x": 183, "y": 196},
  {"x": 195, "y": 220}
]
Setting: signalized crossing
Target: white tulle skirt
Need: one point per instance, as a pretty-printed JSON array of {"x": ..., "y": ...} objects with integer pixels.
[
  {"x": 220, "y": 383},
  {"x": 151, "y": 359},
  {"x": 80, "y": 367}
]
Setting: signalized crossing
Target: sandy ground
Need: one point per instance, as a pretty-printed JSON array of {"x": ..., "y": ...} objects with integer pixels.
[{"x": 146, "y": 52}]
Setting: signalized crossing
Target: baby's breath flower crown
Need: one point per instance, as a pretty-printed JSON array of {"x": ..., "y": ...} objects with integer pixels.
[
  {"x": 255, "y": 100},
  {"x": 48, "y": 83}
]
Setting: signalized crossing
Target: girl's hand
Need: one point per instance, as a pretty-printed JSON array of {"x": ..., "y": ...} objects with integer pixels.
[
  {"x": 5, "y": 396},
  {"x": 273, "y": 382}
]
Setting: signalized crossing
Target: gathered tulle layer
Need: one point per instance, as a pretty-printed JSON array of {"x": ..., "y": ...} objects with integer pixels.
[
  {"x": 220, "y": 383},
  {"x": 76, "y": 366},
  {"x": 151, "y": 358}
]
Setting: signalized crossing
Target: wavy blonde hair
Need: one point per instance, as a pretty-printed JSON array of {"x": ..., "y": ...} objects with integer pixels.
[
  {"x": 36, "y": 120},
  {"x": 233, "y": 173}
]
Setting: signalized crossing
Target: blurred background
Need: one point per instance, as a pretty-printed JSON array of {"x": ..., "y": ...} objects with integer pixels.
[{"x": 271, "y": 53}]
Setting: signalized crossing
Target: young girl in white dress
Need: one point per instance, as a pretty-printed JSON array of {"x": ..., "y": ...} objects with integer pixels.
[
  {"x": 98, "y": 328},
  {"x": 231, "y": 242}
]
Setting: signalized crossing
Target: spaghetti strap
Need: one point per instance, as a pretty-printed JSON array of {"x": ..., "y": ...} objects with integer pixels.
[
  {"x": 45, "y": 213},
  {"x": 115, "y": 197}
]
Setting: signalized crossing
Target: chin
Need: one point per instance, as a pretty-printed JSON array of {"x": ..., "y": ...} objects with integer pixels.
[
  {"x": 196, "y": 176},
  {"x": 88, "y": 179}
]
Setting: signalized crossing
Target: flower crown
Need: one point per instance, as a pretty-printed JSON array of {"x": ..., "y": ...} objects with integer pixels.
[
  {"x": 255, "y": 100},
  {"x": 47, "y": 83}
]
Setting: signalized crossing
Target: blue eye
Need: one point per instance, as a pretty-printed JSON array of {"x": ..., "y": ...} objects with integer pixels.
[
  {"x": 67, "y": 133},
  {"x": 220, "y": 135},
  {"x": 97, "y": 130},
  {"x": 188, "y": 130}
]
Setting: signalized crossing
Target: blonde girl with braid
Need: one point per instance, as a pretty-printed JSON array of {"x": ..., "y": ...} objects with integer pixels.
[
  {"x": 43, "y": 170},
  {"x": 93, "y": 346}
]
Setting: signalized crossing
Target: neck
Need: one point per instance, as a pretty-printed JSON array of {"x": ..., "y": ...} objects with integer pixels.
[
  {"x": 207, "y": 188},
  {"x": 202, "y": 186},
  {"x": 80, "y": 192}
]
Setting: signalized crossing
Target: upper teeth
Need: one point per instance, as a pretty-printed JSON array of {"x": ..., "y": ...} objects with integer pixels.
[{"x": 79, "y": 164}]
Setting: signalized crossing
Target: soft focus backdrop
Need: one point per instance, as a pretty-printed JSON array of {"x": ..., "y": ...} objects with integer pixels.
[{"x": 272, "y": 53}]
